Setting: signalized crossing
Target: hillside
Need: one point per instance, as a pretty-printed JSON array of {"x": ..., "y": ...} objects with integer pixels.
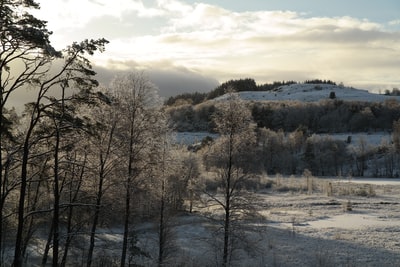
[{"x": 312, "y": 93}]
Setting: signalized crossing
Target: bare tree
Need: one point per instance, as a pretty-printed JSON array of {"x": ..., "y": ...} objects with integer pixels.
[
  {"x": 360, "y": 155},
  {"x": 77, "y": 161},
  {"x": 234, "y": 123},
  {"x": 143, "y": 128},
  {"x": 187, "y": 186},
  {"x": 103, "y": 146}
]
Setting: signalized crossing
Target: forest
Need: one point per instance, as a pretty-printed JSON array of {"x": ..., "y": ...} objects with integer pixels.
[{"x": 81, "y": 157}]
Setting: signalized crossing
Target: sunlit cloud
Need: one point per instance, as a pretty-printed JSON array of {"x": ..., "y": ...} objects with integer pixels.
[
  {"x": 225, "y": 44},
  {"x": 394, "y": 22}
]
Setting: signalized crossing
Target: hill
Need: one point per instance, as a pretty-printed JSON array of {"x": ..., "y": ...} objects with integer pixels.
[{"x": 309, "y": 92}]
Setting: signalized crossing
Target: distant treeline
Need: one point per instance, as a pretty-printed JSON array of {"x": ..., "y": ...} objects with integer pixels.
[
  {"x": 240, "y": 85},
  {"x": 328, "y": 116},
  {"x": 317, "y": 81}
]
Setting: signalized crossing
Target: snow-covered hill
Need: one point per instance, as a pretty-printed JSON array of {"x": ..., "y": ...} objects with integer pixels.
[{"x": 312, "y": 93}]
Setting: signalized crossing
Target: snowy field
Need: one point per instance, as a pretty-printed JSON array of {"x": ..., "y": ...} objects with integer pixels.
[
  {"x": 372, "y": 139},
  {"x": 313, "y": 229},
  {"x": 356, "y": 225},
  {"x": 320, "y": 230},
  {"x": 189, "y": 138},
  {"x": 311, "y": 93},
  {"x": 349, "y": 223}
]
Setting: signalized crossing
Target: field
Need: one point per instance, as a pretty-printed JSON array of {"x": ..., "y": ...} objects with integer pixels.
[
  {"x": 314, "y": 222},
  {"x": 356, "y": 225},
  {"x": 299, "y": 222}
]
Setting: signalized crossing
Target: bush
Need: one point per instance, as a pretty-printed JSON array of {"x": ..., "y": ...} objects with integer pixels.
[
  {"x": 269, "y": 184},
  {"x": 347, "y": 206}
]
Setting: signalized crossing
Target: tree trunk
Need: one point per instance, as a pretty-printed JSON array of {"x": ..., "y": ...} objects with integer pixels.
[
  {"x": 228, "y": 204},
  {"x": 47, "y": 247},
  {"x": 162, "y": 241},
  {"x": 29, "y": 220},
  {"x": 1, "y": 176},
  {"x": 21, "y": 204},
  {"x": 96, "y": 217},
  {"x": 72, "y": 199},
  {"x": 226, "y": 224},
  {"x": 56, "y": 205},
  {"x": 126, "y": 225},
  {"x": 128, "y": 196}
]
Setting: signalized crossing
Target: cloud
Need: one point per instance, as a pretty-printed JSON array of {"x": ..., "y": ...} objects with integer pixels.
[
  {"x": 170, "y": 80},
  {"x": 394, "y": 22},
  {"x": 217, "y": 42}
]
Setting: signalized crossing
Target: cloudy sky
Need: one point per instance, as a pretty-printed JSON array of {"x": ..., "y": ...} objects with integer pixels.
[{"x": 186, "y": 45}]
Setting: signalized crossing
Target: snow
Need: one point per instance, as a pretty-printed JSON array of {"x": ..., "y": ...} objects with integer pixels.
[
  {"x": 297, "y": 229},
  {"x": 188, "y": 138},
  {"x": 301, "y": 229},
  {"x": 374, "y": 181},
  {"x": 316, "y": 226},
  {"x": 353, "y": 221},
  {"x": 312, "y": 93},
  {"x": 372, "y": 139}
]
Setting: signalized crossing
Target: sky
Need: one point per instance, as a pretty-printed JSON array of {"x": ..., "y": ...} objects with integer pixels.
[{"x": 193, "y": 45}]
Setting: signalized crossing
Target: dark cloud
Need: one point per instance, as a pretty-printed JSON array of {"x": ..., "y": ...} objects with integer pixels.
[
  {"x": 170, "y": 81},
  {"x": 173, "y": 82}
]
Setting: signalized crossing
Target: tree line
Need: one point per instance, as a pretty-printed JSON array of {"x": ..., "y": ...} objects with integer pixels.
[{"x": 330, "y": 116}]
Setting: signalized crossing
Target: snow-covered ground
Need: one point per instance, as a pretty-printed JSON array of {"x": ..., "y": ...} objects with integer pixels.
[
  {"x": 305, "y": 229},
  {"x": 372, "y": 139},
  {"x": 323, "y": 231},
  {"x": 312, "y": 93},
  {"x": 296, "y": 228},
  {"x": 313, "y": 229},
  {"x": 189, "y": 138}
]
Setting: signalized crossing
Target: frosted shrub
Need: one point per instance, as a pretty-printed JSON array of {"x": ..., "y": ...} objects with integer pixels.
[
  {"x": 328, "y": 189},
  {"x": 278, "y": 179},
  {"x": 309, "y": 178},
  {"x": 347, "y": 206}
]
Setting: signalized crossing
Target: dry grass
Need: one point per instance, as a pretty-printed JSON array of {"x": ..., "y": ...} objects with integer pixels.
[{"x": 310, "y": 185}]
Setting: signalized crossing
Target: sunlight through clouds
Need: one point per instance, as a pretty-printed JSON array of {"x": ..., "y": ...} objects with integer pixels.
[{"x": 225, "y": 44}]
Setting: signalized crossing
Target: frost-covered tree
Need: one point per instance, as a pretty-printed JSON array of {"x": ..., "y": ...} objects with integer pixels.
[
  {"x": 229, "y": 159},
  {"x": 104, "y": 159},
  {"x": 142, "y": 131}
]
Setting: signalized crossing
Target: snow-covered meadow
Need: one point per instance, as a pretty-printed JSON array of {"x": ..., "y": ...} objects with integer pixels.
[
  {"x": 339, "y": 222},
  {"x": 312, "y": 93},
  {"x": 301, "y": 228},
  {"x": 296, "y": 227}
]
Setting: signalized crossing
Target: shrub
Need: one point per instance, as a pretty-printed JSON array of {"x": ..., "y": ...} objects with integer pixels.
[
  {"x": 269, "y": 183},
  {"x": 347, "y": 206}
]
